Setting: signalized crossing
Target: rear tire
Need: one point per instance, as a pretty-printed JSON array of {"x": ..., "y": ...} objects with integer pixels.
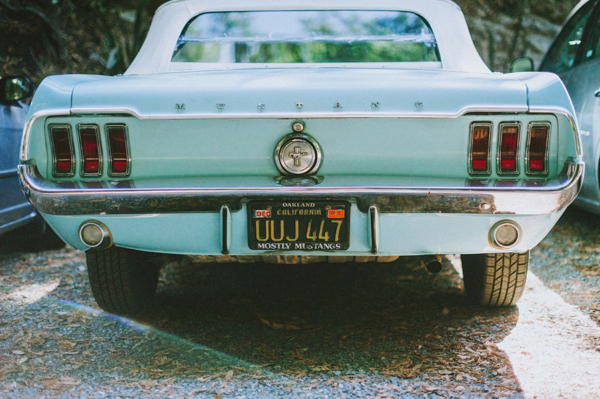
[
  {"x": 123, "y": 281},
  {"x": 495, "y": 279}
]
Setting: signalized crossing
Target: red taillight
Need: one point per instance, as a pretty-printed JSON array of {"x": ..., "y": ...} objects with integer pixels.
[
  {"x": 480, "y": 148},
  {"x": 90, "y": 150},
  {"x": 119, "y": 155},
  {"x": 63, "y": 150},
  {"x": 509, "y": 146},
  {"x": 537, "y": 148}
]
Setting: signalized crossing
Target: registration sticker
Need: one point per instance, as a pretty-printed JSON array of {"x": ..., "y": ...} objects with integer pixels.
[
  {"x": 336, "y": 213},
  {"x": 261, "y": 214}
]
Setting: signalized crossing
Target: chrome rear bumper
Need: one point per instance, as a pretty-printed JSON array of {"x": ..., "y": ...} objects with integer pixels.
[{"x": 526, "y": 198}]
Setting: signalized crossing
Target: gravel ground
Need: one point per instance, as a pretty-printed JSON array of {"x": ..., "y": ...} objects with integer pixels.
[
  {"x": 568, "y": 260},
  {"x": 310, "y": 331}
]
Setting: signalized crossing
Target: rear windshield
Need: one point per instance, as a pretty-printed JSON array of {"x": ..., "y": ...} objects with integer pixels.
[{"x": 306, "y": 37}]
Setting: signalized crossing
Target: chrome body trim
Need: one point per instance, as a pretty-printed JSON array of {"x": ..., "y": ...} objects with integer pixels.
[
  {"x": 17, "y": 223},
  {"x": 5, "y": 174},
  {"x": 225, "y": 230},
  {"x": 499, "y": 170},
  {"x": 374, "y": 229},
  {"x": 304, "y": 116},
  {"x": 50, "y": 198}
]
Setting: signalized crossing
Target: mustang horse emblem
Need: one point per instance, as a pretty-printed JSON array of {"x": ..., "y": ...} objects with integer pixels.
[{"x": 297, "y": 156}]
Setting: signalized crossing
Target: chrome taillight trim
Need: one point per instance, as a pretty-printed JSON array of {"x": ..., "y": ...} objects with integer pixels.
[
  {"x": 517, "y": 170},
  {"x": 96, "y": 129},
  {"x": 110, "y": 172},
  {"x": 55, "y": 171},
  {"x": 544, "y": 172},
  {"x": 490, "y": 127}
]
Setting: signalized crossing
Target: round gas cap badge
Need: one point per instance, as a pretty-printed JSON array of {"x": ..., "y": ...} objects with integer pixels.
[{"x": 298, "y": 154}]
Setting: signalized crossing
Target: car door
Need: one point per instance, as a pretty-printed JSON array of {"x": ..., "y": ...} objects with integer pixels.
[
  {"x": 575, "y": 57},
  {"x": 562, "y": 56},
  {"x": 14, "y": 207},
  {"x": 584, "y": 88}
]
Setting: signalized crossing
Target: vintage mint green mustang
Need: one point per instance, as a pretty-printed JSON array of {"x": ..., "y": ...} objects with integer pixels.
[{"x": 302, "y": 131}]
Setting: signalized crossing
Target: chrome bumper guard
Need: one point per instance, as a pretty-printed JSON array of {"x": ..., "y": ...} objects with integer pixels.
[{"x": 551, "y": 196}]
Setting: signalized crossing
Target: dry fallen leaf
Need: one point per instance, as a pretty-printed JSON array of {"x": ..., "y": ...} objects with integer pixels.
[{"x": 68, "y": 381}]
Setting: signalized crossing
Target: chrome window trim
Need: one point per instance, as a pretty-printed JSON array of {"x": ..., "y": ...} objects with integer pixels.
[
  {"x": 109, "y": 150},
  {"x": 55, "y": 172},
  {"x": 82, "y": 171},
  {"x": 499, "y": 170},
  {"x": 488, "y": 172},
  {"x": 545, "y": 172}
]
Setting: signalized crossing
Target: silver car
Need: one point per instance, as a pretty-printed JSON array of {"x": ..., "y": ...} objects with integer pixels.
[{"x": 575, "y": 57}]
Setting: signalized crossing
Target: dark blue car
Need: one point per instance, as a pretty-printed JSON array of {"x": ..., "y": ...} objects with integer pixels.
[{"x": 15, "y": 210}]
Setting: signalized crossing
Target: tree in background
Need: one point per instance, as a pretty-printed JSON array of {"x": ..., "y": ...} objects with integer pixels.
[
  {"x": 43, "y": 37},
  {"x": 507, "y": 29}
]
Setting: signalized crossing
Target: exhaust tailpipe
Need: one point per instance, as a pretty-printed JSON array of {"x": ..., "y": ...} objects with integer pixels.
[{"x": 433, "y": 263}]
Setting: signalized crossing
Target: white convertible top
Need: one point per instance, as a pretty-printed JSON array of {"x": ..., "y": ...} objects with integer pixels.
[{"x": 455, "y": 45}]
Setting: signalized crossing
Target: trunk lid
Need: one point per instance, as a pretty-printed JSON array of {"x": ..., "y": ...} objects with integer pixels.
[{"x": 319, "y": 90}]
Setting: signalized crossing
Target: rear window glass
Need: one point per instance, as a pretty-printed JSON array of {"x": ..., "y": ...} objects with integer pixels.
[{"x": 306, "y": 37}]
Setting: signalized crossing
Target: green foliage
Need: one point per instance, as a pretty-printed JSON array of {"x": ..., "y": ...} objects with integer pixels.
[
  {"x": 504, "y": 30},
  {"x": 43, "y": 37}
]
